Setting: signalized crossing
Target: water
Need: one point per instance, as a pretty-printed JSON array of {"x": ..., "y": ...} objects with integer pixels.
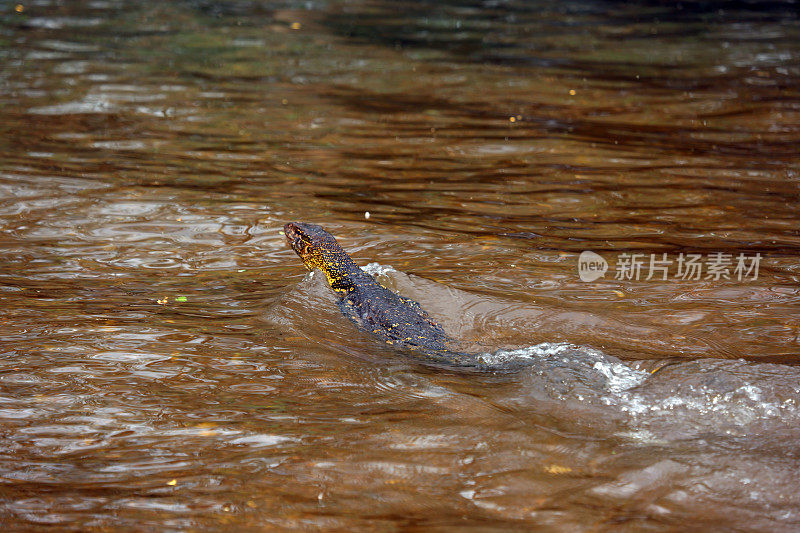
[{"x": 167, "y": 363}]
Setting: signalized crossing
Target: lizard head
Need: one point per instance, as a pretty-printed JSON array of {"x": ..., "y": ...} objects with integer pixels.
[{"x": 317, "y": 249}]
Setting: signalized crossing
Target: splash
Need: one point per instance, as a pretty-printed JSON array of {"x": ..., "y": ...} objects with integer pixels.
[
  {"x": 377, "y": 269},
  {"x": 582, "y": 362}
]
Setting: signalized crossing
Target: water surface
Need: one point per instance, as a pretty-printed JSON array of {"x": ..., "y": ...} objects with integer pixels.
[{"x": 166, "y": 362}]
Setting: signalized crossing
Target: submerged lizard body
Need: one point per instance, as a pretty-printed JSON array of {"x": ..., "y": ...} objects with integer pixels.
[{"x": 372, "y": 307}]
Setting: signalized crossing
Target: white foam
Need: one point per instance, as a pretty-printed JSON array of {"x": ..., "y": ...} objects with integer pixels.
[
  {"x": 377, "y": 269},
  {"x": 743, "y": 405},
  {"x": 619, "y": 377},
  {"x": 529, "y": 353},
  {"x": 545, "y": 349}
]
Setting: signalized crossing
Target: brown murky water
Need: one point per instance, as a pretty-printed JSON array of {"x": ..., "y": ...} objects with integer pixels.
[{"x": 167, "y": 364}]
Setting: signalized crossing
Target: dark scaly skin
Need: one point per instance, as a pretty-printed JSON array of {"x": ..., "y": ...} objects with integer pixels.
[{"x": 372, "y": 307}]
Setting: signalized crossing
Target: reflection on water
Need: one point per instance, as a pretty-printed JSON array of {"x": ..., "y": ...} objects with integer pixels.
[{"x": 166, "y": 362}]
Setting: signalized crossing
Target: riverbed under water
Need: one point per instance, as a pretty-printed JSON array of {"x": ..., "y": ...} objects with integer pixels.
[{"x": 166, "y": 363}]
